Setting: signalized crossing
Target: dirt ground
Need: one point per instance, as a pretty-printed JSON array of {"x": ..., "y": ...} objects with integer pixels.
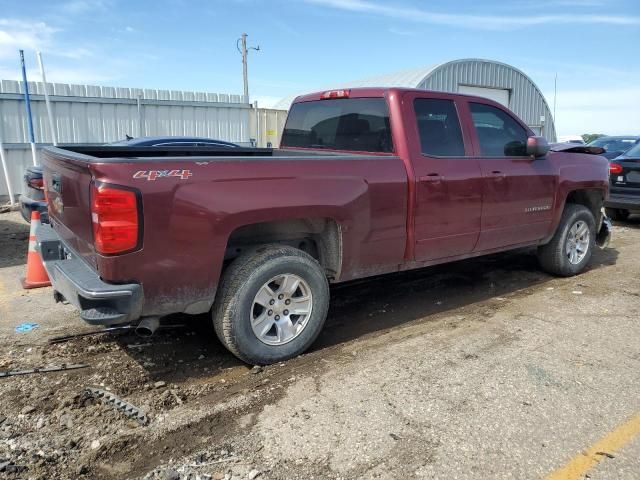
[{"x": 486, "y": 368}]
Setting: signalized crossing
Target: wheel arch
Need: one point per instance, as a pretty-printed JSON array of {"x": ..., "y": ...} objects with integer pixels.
[
  {"x": 320, "y": 237},
  {"x": 588, "y": 196}
]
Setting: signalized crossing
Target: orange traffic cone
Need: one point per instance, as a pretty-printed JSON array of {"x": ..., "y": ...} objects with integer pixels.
[{"x": 36, "y": 274}]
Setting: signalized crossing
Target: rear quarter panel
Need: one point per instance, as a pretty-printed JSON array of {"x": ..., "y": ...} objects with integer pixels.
[{"x": 187, "y": 222}]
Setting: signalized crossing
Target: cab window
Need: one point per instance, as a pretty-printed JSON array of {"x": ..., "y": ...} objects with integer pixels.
[
  {"x": 438, "y": 127},
  {"x": 499, "y": 134}
]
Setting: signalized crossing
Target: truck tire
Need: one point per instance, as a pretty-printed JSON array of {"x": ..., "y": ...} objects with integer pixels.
[
  {"x": 271, "y": 304},
  {"x": 619, "y": 214},
  {"x": 570, "y": 249}
]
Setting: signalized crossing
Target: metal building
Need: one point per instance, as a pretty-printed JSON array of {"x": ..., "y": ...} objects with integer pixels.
[{"x": 486, "y": 78}]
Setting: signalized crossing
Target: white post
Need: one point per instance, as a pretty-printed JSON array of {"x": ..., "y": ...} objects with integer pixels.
[
  {"x": 46, "y": 99},
  {"x": 6, "y": 172},
  {"x": 256, "y": 111},
  {"x": 140, "y": 122},
  {"x": 5, "y": 169}
]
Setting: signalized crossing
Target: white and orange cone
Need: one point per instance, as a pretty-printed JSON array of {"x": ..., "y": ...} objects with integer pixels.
[{"x": 36, "y": 274}]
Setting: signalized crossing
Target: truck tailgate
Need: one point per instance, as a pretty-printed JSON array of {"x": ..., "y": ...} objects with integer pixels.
[{"x": 67, "y": 184}]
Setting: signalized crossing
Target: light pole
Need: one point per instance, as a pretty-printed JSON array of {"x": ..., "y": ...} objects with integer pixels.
[{"x": 241, "y": 45}]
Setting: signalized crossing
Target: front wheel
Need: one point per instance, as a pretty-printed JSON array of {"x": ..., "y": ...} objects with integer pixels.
[
  {"x": 569, "y": 251},
  {"x": 271, "y": 304}
]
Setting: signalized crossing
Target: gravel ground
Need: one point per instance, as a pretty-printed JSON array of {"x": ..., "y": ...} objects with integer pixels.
[{"x": 486, "y": 368}]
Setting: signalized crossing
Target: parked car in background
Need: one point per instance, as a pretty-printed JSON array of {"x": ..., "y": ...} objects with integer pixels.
[
  {"x": 33, "y": 197},
  {"x": 615, "y": 145},
  {"x": 173, "y": 142},
  {"x": 624, "y": 175},
  {"x": 577, "y": 139},
  {"x": 366, "y": 181}
]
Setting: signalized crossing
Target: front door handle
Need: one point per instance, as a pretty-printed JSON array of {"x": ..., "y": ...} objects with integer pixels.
[{"x": 498, "y": 175}]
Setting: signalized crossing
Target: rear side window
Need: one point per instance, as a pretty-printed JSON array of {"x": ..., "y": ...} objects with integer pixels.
[
  {"x": 438, "y": 127},
  {"x": 498, "y": 133},
  {"x": 356, "y": 124}
]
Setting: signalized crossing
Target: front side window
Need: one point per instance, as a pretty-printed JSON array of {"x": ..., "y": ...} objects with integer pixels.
[
  {"x": 438, "y": 127},
  {"x": 498, "y": 133},
  {"x": 356, "y": 124}
]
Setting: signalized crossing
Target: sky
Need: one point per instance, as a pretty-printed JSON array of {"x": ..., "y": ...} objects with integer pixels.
[{"x": 305, "y": 45}]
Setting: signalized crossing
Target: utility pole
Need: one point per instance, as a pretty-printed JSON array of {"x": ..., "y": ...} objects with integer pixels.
[{"x": 241, "y": 45}]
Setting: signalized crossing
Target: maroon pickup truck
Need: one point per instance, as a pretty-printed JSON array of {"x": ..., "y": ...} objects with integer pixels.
[{"x": 365, "y": 182}]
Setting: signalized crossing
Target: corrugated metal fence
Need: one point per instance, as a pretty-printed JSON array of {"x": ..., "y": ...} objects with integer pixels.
[{"x": 93, "y": 114}]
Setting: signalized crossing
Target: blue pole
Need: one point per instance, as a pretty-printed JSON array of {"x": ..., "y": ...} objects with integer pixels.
[{"x": 27, "y": 102}]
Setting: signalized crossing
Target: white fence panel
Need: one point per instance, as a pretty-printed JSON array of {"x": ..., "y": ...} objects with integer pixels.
[{"x": 94, "y": 114}]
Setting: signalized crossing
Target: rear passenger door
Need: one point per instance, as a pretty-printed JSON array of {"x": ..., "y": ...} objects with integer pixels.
[
  {"x": 448, "y": 183},
  {"x": 517, "y": 191}
]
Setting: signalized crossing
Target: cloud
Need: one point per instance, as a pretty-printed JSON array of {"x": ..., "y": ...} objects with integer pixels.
[
  {"x": 77, "y": 7},
  {"x": 402, "y": 32},
  {"x": 19, "y": 34},
  {"x": 484, "y": 22},
  {"x": 540, "y": 4}
]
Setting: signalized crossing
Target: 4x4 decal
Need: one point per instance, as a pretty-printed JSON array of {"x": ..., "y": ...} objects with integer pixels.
[{"x": 151, "y": 175}]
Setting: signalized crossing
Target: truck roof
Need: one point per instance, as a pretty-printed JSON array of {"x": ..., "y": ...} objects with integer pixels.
[{"x": 362, "y": 92}]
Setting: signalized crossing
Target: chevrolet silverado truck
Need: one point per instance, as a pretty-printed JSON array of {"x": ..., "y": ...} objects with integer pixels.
[{"x": 365, "y": 182}]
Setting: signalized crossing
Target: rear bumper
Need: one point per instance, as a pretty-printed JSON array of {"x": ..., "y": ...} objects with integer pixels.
[
  {"x": 28, "y": 205},
  {"x": 626, "y": 202},
  {"x": 100, "y": 303}
]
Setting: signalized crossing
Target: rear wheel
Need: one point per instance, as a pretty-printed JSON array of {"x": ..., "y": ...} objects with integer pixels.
[
  {"x": 271, "y": 304},
  {"x": 619, "y": 214},
  {"x": 570, "y": 249}
]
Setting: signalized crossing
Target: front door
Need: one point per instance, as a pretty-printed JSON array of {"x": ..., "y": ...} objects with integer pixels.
[
  {"x": 518, "y": 191},
  {"x": 448, "y": 183}
]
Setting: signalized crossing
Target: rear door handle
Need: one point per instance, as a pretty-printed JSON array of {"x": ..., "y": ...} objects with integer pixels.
[{"x": 498, "y": 175}]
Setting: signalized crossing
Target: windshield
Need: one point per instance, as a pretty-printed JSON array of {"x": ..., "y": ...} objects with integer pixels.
[
  {"x": 611, "y": 144},
  {"x": 356, "y": 124}
]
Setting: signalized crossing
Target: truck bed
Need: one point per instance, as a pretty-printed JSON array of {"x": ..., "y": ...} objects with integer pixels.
[
  {"x": 102, "y": 153},
  {"x": 194, "y": 201}
]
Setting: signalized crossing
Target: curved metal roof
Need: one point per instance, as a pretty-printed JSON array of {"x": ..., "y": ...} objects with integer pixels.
[
  {"x": 410, "y": 78},
  {"x": 526, "y": 99}
]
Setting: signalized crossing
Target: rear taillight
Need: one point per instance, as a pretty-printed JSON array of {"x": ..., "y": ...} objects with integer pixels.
[
  {"x": 335, "y": 94},
  {"x": 615, "y": 168},
  {"x": 115, "y": 217},
  {"x": 36, "y": 183}
]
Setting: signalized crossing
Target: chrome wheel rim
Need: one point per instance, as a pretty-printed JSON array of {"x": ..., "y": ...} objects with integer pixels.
[
  {"x": 281, "y": 309},
  {"x": 578, "y": 242}
]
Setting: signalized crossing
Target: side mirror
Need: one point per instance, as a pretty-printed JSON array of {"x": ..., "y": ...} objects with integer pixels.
[{"x": 537, "y": 147}]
